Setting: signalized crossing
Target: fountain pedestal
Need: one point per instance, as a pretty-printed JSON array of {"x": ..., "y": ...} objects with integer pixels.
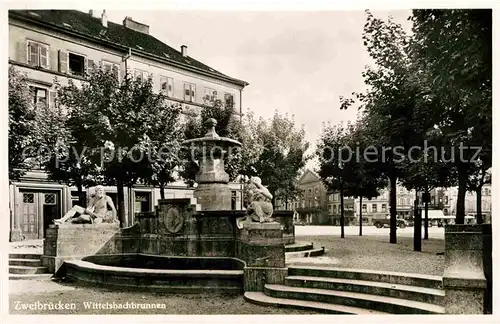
[{"x": 262, "y": 248}]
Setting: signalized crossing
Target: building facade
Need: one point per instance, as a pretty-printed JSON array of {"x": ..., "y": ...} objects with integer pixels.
[{"x": 66, "y": 44}]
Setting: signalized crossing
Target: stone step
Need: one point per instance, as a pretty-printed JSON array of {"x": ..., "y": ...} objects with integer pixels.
[
  {"x": 306, "y": 253},
  {"x": 297, "y": 247},
  {"x": 40, "y": 276},
  {"x": 25, "y": 262},
  {"x": 27, "y": 270},
  {"x": 161, "y": 280},
  {"x": 410, "y": 279},
  {"x": 24, "y": 256},
  {"x": 421, "y": 294},
  {"x": 352, "y": 299},
  {"x": 262, "y": 299}
]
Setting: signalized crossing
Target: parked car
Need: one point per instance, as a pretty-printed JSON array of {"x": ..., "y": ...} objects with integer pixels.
[{"x": 386, "y": 222}]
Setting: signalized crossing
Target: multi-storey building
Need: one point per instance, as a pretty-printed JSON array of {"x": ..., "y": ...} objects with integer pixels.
[
  {"x": 312, "y": 206},
  {"x": 46, "y": 44},
  {"x": 377, "y": 207}
]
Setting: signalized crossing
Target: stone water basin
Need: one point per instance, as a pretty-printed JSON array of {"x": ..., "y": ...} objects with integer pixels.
[{"x": 159, "y": 273}]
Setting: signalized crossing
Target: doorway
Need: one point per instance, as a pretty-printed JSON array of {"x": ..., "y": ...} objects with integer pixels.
[{"x": 38, "y": 211}]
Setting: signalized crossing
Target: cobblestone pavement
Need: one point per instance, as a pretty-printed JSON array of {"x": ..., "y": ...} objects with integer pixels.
[{"x": 375, "y": 252}]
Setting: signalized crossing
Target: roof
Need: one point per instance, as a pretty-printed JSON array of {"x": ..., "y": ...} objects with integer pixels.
[
  {"x": 309, "y": 176},
  {"x": 74, "y": 21}
]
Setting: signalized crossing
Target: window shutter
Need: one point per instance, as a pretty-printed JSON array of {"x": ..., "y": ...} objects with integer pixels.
[
  {"x": 170, "y": 87},
  {"x": 186, "y": 91},
  {"x": 63, "y": 62},
  {"x": 33, "y": 54},
  {"x": 115, "y": 71},
  {"x": 44, "y": 56},
  {"x": 193, "y": 92},
  {"x": 163, "y": 83},
  {"x": 90, "y": 66},
  {"x": 22, "y": 52},
  {"x": 52, "y": 99},
  {"x": 85, "y": 65}
]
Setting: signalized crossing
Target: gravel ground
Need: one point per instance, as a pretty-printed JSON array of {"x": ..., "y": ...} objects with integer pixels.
[
  {"x": 375, "y": 252},
  {"x": 25, "y": 292}
]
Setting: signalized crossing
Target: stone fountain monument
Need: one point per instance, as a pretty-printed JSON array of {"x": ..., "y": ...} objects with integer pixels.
[
  {"x": 212, "y": 192},
  {"x": 177, "y": 243}
]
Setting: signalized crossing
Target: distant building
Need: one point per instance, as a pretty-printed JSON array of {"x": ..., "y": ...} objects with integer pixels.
[{"x": 66, "y": 44}]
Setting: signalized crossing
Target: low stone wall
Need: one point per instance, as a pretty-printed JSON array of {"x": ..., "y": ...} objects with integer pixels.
[
  {"x": 467, "y": 273},
  {"x": 75, "y": 241}
]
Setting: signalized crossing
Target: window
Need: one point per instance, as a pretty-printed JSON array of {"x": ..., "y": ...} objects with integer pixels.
[
  {"x": 142, "y": 200},
  {"x": 384, "y": 208},
  {"x": 28, "y": 198},
  {"x": 140, "y": 75},
  {"x": 76, "y": 64},
  {"x": 309, "y": 192},
  {"x": 38, "y": 54},
  {"x": 167, "y": 85},
  {"x": 40, "y": 96},
  {"x": 334, "y": 208},
  {"x": 189, "y": 92},
  {"x": 363, "y": 208},
  {"x": 109, "y": 66},
  {"x": 316, "y": 190},
  {"x": 50, "y": 199},
  {"x": 374, "y": 208},
  {"x": 210, "y": 94},
  {"x": 229, "y": 99},
  {"x": 330, "y": 197}
]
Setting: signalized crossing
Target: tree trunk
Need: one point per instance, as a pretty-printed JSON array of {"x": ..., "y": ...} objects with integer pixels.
[
  {"x": 426, "y": 221},
  {"x": 341, "y": 205},
  {"x": 462, "y": 190},
  {"x": 417, "y": 227},
  {"x": 360, "y": 215},
  {"x": 162, "y": 191},
  {"x": 479, "y": 207},
  {"x": 121, "y": 202},
  {"x": 393, "y": 222}
]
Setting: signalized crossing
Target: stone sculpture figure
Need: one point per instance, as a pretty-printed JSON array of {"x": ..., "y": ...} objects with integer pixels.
[
  {"x": 96, "y": 211},
  {"x": 260, "y": 208}
]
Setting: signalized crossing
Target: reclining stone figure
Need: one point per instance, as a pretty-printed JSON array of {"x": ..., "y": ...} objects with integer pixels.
[
  {"x": 260, "y": 208},
  {"x": 96, "y": 211}
]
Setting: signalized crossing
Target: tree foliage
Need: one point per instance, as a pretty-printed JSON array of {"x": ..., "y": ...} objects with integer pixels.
[
  {"x": 22, "y": 119},
  {"x": 454, "y": 48},
  {"x": 120, "y": 125}
]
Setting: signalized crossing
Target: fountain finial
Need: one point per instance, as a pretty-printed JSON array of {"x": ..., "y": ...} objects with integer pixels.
[{"x": 211, "y": 123}]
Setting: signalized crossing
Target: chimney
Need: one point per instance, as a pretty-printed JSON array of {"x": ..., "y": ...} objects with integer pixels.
[
  {"x": 104, "y": 19},
  {"x": 134, "y": 25},
  {"x": 184, "y": 50},
  {"x": 91, "y": 13}
]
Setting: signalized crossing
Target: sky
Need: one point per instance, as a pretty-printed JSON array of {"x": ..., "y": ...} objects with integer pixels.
[{"x": 296, "y": 62}]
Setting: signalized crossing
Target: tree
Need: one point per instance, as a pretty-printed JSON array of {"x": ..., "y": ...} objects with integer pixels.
[
  {"x": 163, "y": 147},
  {"x": 389, "y": 101},
  {"x": 277, "y": 154},
  {"x": 117, "y": 121},
  {"x": 454, "y": 48},
  {"x": 21, "y": 122},
  {"x": 332, "y": 154},
  {"x": 364, "y": 179}
]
